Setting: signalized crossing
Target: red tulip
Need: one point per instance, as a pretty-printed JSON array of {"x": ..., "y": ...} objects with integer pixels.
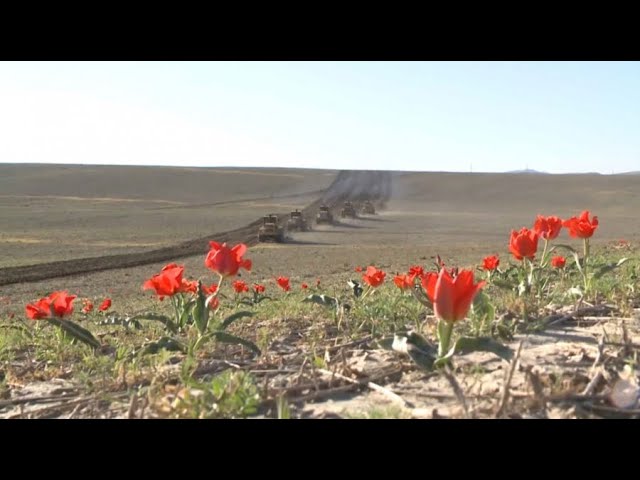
[
  {"x": 239, "y": 286},
  {"x": 453, "y": 294},
  {"x": 428, "y": 281},
  {"x": 304, "y": 286},
  {"x": 490, "y": 263},
  {"x": 105, "y": 305},
  {"x": 188, "y": 286},
  {"x": 403, "y": 281},
  {"x": 581, "y": 227},
  {"x": 87, "y": 306},
  {"x": 283, "y": 283},
  {"x": 210, "y": 290},
  {"x": 558, "y": 262},
  {"x": 358, "y": 269},
  {"x": 258, "y": 288},
  {"x": 167, "y": 283},
  {"x": 373, "y": 276},
  {"x": 214, "y": 303},
  {"x": 547, "y": 227},
  {"x": 227, "y": 261},
  {"x": 59, "y": 303},
  {"x": 317, "y": 283},
  {"x": 415, "y": 271},
  {"x": 523, "y": 244}
]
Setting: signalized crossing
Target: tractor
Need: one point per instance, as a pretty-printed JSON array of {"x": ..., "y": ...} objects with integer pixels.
[
  {"x": 270, "y": 230},
  {"x": 348, "y": 210},
  {"x": 368, "y": 208},
  {"x": 324, "y": 215},
  {"x": 297, "y": 222}
]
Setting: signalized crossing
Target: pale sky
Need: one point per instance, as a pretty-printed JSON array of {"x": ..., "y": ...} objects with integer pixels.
[{"x": 556, "y": 117}]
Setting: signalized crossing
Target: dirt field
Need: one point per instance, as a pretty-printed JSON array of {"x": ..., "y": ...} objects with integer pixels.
[{"x": 65, "y": 213}]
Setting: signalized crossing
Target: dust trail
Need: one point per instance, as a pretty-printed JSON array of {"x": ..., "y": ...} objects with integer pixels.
[{"x": 359, "y": 186}]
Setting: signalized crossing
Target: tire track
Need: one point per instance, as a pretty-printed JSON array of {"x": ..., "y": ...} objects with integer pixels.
[{"x": 348, "y": 185}]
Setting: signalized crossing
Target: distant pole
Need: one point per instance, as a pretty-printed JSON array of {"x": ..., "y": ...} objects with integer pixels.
[{"x": 471, "y": 167}]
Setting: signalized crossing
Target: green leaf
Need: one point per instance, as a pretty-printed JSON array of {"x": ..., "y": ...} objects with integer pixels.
[
  {"x": 163, "y": 343},
  {"x": 166, "y": 321},
  {"x": 421, "y": 351},
  {"x": 76, "y": 331},
  {"x": 502, "y": 284},
  {"x": 418, "y": 293},
  {"x": 387, "y": 343},
  {"x": 424, "y": 359},
  {"x": 566, "y": 247},
  {"x": 200, "y": 311},
  {"x": 324, "y": 300},
  {"x": 186, "y": 311},
  {"x": 225, "y": 337},
  {"x": 609, "y": 268},
  {"x": 115, "y": 319},
  {"x": 232, "y": 318},
  {"x": 466, "y": 345},
  {"x": 482, "y": 307},
  {"x": 355, "y": 286}
]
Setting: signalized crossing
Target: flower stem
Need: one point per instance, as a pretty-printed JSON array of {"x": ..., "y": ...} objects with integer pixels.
[
  {"x": 543, "y": 259},
  {"x": 444, "y": 337},
  {"x": 584, "y": 265}
]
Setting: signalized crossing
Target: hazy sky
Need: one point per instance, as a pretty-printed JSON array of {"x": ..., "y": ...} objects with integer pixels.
[{"x": 497, "y": 116}]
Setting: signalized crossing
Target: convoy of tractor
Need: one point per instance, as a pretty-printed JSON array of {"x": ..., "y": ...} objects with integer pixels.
[{"x": 273, "y": 230}]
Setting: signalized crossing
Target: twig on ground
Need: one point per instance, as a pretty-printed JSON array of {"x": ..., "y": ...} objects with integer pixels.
[
  {"x": 373, "y": 386},
  {"x": 536, "y": 385},
  {"x": 507, "y": 383},
  {"x": 593, "y": 384},
  {"x": 131, "y": 413},
  {"x": 448, "y": 374}
]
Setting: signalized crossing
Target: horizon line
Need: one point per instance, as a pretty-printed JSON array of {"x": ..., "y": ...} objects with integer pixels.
[{"x": 526, "y": 171}]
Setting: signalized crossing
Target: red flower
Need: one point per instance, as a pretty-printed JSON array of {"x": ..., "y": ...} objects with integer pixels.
[
  {"x": 239, "y": 286},
  {"x": 188, "y": 286},
  {"x": 317, "y": 283},
  {"x": 105, "y": 305},
  {"x": 358, "y": 269},
  {"x": 373, "y": 276},
  {"x": 581, "y": 227},
  {"x": 558, "y": 262},
  {"x": 258, "y": 288},
  {"x": 214, "y": 303},
  {"x": 227, "y": 261},
  {"x": 547, "y": 227},
  {"x": 428, "y": 281},
  {"x": 209, "y": 290},
  {"x": 304, "y": 286},
  {"x": 283, "y": 283},
  {"x": 166, "y": 283},
  {"x": 491, "y": 262},
  {"x": 415, "y": 271},
  {"x": 403, "y": 281},
  {"x": 59, "y": 303},
  {"x": 87, "y": 306},
  {"x": 523, "y": 244},
  {"x": 453, "y": 294}
]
